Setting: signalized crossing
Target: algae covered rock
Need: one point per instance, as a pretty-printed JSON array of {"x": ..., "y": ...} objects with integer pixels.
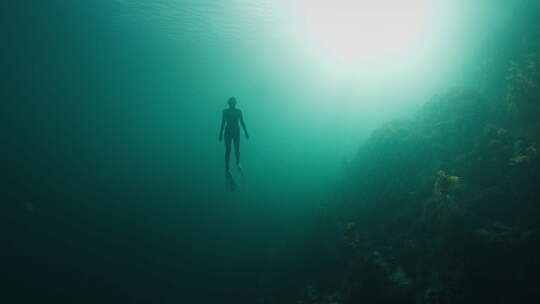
[{"x": 524, "y": 153}]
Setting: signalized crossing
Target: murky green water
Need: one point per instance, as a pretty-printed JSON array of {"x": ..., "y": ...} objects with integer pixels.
[{"x": 114, "y": 176}]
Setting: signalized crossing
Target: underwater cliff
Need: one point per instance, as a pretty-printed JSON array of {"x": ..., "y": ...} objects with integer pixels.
[{"x": 442, "y": 206}]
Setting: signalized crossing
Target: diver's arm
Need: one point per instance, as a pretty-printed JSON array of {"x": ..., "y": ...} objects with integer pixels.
[
  {"x": 222, "y": 126},
  {"x": 243, "y": 125}
]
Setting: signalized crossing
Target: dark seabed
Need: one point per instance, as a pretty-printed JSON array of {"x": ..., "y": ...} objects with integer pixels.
[{"x": 392, "y": 155}]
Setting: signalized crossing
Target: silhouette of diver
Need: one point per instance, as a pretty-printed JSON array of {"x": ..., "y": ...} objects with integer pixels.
[{"x": 229, "y": 123}]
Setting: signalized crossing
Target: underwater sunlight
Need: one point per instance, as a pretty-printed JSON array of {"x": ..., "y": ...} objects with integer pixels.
[
  {"x": 362, "y": 31},
  {"x": 270, "y": 151}
]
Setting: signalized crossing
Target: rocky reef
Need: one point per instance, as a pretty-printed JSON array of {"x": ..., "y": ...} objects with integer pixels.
[
  {"x": 450, "y": 197},
  {"x": 444, "y": 207},
  {"x": 441, "y": 208}
]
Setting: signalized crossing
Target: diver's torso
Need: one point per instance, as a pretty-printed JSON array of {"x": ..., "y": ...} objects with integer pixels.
[{"x": 232, "y": 119}]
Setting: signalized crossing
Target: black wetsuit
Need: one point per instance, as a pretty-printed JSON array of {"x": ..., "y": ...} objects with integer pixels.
[{"x": 232, "y": 118}]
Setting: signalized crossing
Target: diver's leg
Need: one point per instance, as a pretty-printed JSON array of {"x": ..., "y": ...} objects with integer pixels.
[
  {"x": 228, "y": 141},
  {"x": 237, "y": 149}
]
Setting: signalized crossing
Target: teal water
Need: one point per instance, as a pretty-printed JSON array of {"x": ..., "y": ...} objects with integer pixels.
[{"x": 114, "y": 182}]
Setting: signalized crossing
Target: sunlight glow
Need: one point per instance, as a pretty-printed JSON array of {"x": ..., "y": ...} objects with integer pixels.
[{"x": 364, "y": 30}]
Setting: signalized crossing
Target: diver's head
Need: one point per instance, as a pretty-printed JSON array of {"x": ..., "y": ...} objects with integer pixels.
[{"x": 232, "y": 102}]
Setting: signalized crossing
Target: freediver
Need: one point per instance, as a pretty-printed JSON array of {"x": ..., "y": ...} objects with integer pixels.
[{"x": 230, "y": 121}]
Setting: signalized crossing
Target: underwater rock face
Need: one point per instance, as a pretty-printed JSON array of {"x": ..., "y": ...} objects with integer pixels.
[
  {"x": 523, "y": 80},
  {"x": 444, "y": 186},
  {"x": 431, "y": 223},
  {"x": 523, "y": 153},
  {"x": 440, "y": 209},
  {"x": 443, "y": 207}
]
